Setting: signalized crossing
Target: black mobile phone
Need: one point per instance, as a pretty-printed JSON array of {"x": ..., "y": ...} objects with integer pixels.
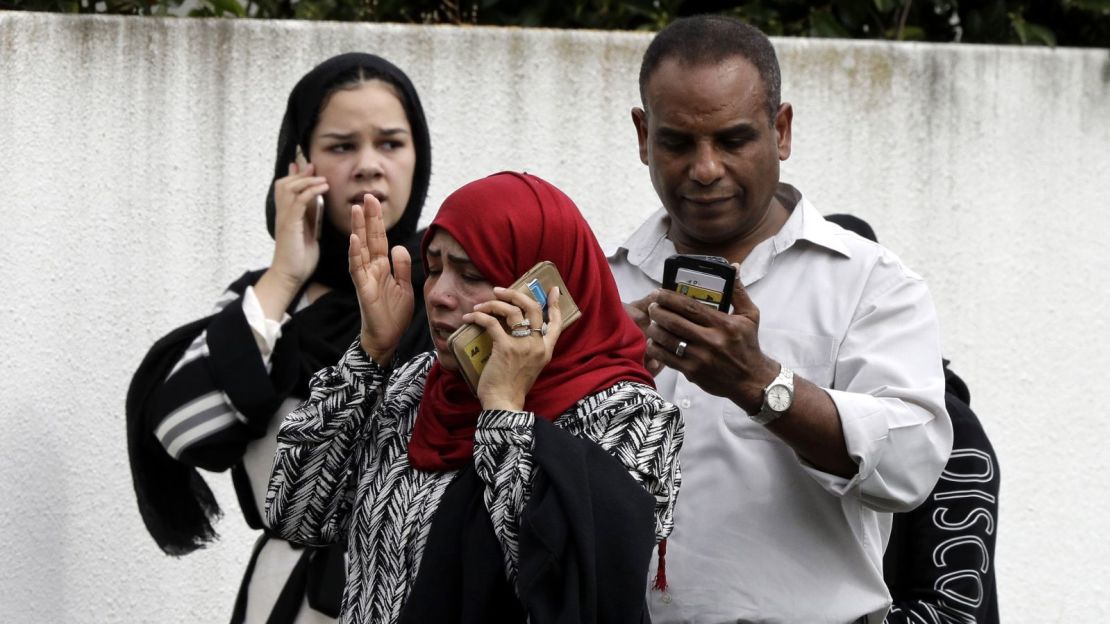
[{"x": 709, "y": 279}]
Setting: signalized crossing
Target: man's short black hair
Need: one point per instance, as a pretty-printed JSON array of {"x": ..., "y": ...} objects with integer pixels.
[{"x": 710, "y": 39}]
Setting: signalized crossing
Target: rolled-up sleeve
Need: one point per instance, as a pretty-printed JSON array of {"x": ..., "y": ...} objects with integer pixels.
[{"x": 888, "y": 388}]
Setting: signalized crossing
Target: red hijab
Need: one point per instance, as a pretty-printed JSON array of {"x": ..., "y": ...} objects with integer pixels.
[{"x": 507, "y": 223}]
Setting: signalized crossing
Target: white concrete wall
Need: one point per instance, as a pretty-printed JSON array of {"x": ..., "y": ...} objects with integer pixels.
[{"x": 136, "y": 155}]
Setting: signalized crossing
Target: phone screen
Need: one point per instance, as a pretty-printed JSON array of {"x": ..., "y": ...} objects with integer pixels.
[{"x": 705, "y": 287}]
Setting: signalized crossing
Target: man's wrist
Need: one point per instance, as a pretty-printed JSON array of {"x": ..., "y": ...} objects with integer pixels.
[{"x": 749, "y": 392}]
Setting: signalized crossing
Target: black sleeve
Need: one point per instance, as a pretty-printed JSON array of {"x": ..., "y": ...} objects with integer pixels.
[
  {"x": 220, "y": 396},
  {"x": 939, "y": 564}
]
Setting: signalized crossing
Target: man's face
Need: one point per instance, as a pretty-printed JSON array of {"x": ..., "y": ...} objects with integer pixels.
[{"x": 712, "y": 152}]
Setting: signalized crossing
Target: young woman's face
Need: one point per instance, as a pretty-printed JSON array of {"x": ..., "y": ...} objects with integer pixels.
[
  {"x": 363, "y": 144},
  {"x": 453, "y": 287}
]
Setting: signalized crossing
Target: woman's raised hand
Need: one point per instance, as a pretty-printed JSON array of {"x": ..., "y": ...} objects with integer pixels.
[
  {"x": 516, "y": 361},
  {"x": 384, "y": 298}
]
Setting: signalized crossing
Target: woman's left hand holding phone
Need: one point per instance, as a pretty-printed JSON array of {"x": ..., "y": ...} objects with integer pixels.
[
  {"x": 516, "y": 362},
  {"x": 296, "y": 249},
  {"x": 385, "y": 298}
]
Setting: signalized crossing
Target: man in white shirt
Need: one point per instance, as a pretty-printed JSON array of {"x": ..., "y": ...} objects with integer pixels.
[{"x": 785, "y": 506}]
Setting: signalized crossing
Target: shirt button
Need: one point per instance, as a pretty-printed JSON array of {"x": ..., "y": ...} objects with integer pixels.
[
  {"x": 666, "y": 599},
  {"x": 520, "y": 429},
  {"x": 684, "y": 403}
]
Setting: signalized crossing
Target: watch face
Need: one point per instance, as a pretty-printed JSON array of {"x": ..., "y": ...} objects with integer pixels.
[{"x": 778, "y": 398}]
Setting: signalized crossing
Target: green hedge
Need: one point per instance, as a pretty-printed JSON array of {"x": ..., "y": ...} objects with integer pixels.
[{"x": 1032, "y": 22}]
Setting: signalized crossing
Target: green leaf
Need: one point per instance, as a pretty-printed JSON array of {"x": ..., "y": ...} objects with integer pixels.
[
  {"x": 227, "y": 6},
  {"x": 913, "y": 33},
  {"x": 1020, "y": 27},
  {"x": 1089, "y": 5},
  {"x": 884, "y": 6},
  {"x": 823, "y": 24},
  {"x": 1042, "y": 34}
]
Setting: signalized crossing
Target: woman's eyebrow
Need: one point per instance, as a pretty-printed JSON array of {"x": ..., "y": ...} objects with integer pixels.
[
  {"x": 347, "y": 136},
  {"x": 454, "y": 258},
  {"x": 339, "y": 136}
]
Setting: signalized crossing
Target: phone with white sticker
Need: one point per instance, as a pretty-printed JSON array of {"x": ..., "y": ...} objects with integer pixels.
[
  {"x": 473, "y": 346},
  {"x": 708, "y": 279},
  {"x": 301, "y": 163}
]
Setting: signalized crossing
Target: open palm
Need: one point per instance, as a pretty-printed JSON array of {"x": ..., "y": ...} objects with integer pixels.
[{"x": 385, "y": 298}]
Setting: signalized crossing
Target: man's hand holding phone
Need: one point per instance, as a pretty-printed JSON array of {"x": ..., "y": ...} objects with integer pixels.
[
  {"x": 638, "y": 311},
  {"x": 717, "y": 350}
]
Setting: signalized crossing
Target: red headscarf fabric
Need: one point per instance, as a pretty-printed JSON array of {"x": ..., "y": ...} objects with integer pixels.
[{"x": 507, "y": 223}]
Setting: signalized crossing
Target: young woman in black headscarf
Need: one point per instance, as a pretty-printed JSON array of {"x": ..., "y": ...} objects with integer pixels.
[{"x": 212, "y": 393}]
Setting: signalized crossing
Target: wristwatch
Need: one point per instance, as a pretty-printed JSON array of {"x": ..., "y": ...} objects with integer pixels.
[{"x": 778, "y": 396}]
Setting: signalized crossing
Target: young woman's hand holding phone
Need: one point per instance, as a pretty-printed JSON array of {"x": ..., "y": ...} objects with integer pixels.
[{"x": 296, "y": 248}]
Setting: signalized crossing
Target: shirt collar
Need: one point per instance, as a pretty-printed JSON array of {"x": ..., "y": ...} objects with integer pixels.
[
  {"x": 805, "y": 224},
  {"x": 649, "y": 247}
]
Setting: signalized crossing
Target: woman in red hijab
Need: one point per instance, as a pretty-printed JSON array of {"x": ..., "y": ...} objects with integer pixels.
[{"x": 539, "y": 497}]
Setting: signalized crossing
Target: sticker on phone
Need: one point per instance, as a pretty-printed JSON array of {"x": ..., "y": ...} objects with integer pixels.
[
  {"x": 706, "y": 288},
  {"x": 536, "y": 288},
  {"x": 479, "y": 350}
]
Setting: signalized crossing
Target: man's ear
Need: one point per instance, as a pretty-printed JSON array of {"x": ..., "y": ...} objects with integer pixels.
[
  {"x": 783, "y": 120},
  {"x": 639, "y": 119}
]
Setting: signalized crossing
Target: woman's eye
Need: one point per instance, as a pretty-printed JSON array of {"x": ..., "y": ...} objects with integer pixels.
[
  {"x": 389, "y": 146},
  {"x": 473, "y": 278},
  {"x": 340, "y": 148}
]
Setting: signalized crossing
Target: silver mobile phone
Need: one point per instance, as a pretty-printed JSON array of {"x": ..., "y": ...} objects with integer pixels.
[{"x": 301, "y": 163}]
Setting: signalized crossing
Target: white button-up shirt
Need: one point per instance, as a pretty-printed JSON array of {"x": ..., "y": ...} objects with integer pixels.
[{"x": 760, "y": 535}]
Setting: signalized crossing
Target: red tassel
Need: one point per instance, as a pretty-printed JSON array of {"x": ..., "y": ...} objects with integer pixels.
[{"x": 661, "y": 568}]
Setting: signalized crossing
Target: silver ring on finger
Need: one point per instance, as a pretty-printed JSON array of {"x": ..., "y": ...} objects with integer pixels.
[
  {"x": 524, "y": 323},
  {"x": 681, "y": 348},
  {"x": 541, "y": 331},
  {"x": 522, "y": 332}
]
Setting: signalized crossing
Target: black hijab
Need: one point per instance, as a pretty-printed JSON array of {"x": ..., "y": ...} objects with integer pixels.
[
  {"x": 176, "y": 504},
  {"x": 328, "y": 327},
  {"x": 301, "y": 114}
]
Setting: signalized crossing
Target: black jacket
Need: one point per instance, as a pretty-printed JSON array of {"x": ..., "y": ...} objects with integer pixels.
[
  {"x": 586, "y": 538},
  {"x": 939, "y": 564}
]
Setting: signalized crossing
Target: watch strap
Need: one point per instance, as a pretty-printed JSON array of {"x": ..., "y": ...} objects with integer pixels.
[{"x": 766, "y": 414}]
